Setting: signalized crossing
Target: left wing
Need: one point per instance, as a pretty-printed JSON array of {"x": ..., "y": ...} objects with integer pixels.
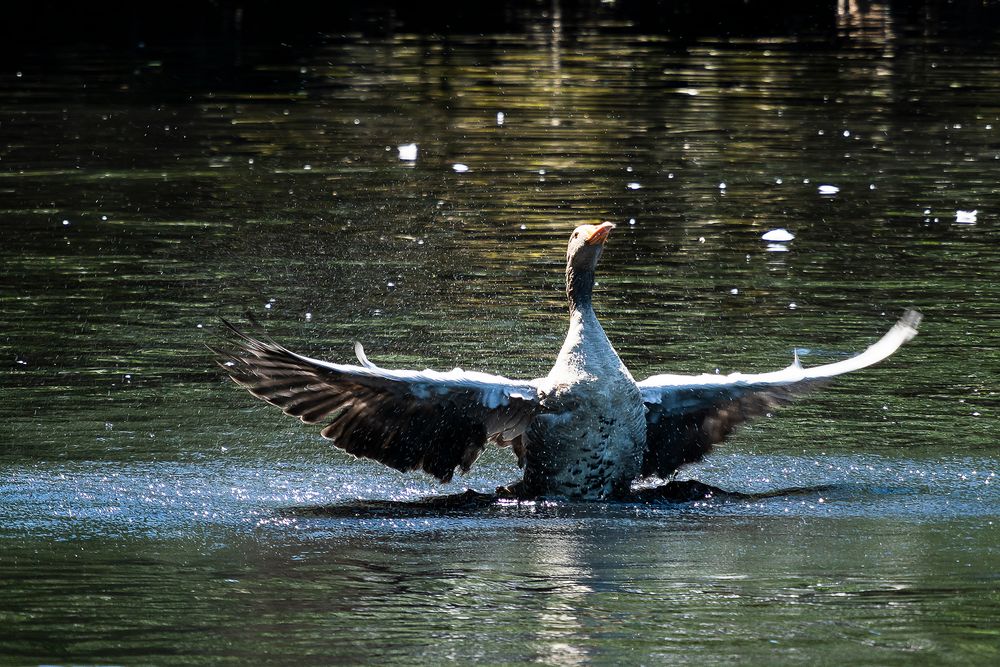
[
  {"x": 409, "y": 420},
  {"x": 688, "y": 414}
]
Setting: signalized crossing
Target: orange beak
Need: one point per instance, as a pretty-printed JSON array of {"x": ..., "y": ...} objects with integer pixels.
[{"x": 600, "y": 233}]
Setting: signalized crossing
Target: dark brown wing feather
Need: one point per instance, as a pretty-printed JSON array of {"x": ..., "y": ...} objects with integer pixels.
[
  {"x": 688, "y": 414},
  {"x": 378, "y": 418},
  {"x": 674, "y": 440}
]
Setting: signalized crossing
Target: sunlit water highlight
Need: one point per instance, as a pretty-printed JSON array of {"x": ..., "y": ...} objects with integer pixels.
[{"x": 169, "y": 500}]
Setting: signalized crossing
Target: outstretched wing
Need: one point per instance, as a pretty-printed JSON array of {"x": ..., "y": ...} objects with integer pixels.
[
  {"x": 408, "y": 420},
  {"x": 688, "y": 414}
]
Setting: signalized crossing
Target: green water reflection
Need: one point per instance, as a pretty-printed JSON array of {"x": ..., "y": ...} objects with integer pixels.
[{"x": 140, "y": 497}]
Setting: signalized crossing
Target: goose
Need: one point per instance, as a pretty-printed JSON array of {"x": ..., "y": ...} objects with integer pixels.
[{"x": 585, "y": 431}]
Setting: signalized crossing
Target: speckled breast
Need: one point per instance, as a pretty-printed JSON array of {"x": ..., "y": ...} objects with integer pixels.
[{"x": 590, "y": 443}]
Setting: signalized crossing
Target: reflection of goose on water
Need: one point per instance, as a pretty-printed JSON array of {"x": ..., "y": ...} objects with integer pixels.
[{"x": 585, "y": 431}]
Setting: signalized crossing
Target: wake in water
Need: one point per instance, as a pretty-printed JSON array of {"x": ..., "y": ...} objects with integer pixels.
[{"x": 672, "y": 493}]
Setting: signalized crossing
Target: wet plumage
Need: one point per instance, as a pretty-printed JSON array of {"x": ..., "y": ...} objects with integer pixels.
[{"x": 587, "y": 430}]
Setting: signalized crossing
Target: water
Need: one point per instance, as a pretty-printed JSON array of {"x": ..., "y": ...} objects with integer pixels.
[{"x": 152, "y": 513}]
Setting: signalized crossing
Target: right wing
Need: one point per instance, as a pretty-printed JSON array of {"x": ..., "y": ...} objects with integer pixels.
[{"x": 688, "y": 414}]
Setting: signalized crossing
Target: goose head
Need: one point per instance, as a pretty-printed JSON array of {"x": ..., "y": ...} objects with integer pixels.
[{"x": 585, "y": 246}]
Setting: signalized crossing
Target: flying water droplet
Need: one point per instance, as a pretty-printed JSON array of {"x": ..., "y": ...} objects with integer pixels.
[
  {"x": 407, "y": 152},
  {"x": 967, "y": 217},
  {"x": 780, "y": 235}
]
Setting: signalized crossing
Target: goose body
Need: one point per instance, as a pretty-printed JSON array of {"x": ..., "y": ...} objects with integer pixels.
[
  {"x": 588, "y": 442},
  {"x": 586, "y": 431}
]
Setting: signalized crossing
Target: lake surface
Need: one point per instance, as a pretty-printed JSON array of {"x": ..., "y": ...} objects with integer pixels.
[{"x": 152, "y": 513}]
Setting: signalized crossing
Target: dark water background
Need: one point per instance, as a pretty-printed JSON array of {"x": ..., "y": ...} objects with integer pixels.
[{"x": 158, "y": 172}]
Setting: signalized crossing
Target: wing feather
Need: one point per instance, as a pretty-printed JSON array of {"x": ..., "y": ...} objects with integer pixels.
[
  {"x": 409, "y": 420},
  {"x": 688, "y": 414}
]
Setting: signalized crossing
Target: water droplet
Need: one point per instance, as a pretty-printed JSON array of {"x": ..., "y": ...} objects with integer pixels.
[
  {"x": 828, "y": 189},
  {"x": 780, "y": 235},
  {"x": 407, "y": 152},
  {"x": 722, "y": 186},
  {"x": 460, "y": 168},
  {"x": 633, "y": 186},
  {"x": 309, "y": 316},
  {"x": 500, "y": 117},
  {"x": 307, "y": 167},
  {"x": 631, "y": 221},
  {"x": 65, "y": 222}
]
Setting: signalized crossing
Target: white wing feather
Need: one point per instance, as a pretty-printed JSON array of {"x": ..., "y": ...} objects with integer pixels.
[{"x": 658, "y": 388}]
